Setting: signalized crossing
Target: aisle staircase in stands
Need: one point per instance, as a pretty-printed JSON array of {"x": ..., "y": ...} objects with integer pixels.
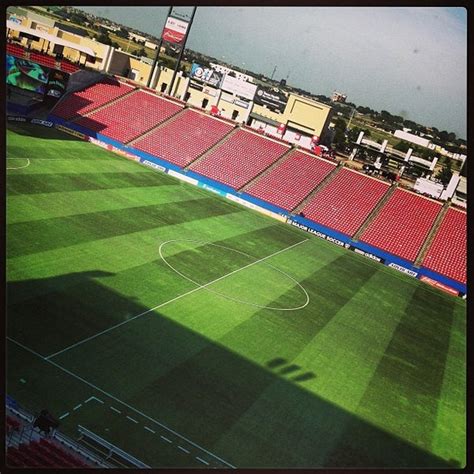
[{"x": 318, "y": 188}]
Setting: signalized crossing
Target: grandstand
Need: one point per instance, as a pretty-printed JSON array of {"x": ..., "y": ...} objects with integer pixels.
[
  {"x": 346, "y": 201},
  {"x": 402, "y": 224},
  {"x": 447, "y": 253},
  {"x": 82, "y": 102},
  {"x": 184, "y": 139},
  {"x": 239, "y": 159},
  {"x": 292, "y": 180},
  {"x": 130, "y": 116}
]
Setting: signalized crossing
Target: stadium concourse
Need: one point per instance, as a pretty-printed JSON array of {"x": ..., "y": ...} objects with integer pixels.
[{"x": 420, "y": 230}]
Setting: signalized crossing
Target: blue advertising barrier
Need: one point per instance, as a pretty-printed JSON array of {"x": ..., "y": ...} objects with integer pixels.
[{"x": 331, "y": 235}]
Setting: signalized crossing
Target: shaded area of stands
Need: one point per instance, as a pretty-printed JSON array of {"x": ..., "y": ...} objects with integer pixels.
[
  {"x": 185, "y": 138},
  {"x": 402, "y": 224},
  {"x": 291, "y": 180},
  {"x": 242, "y": 157},
  {"x": 130, "y": 117},
  {"x": 345, "y": 203},
  {"x": 80, "y": 103},
  {"x": 448, "y": 253}
]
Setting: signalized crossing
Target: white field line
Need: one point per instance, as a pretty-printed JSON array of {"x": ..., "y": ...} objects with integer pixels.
[
  {"x": 166, "y": 439},
  {"x": 202, "y": 460},
  {"x": 183, "y": 449},
  {"x": 64, "y": 416},
  {"x": 132, "y": 419},
  {"x": 149, "y": 429},
  {"x": 171, "y": 300},
  {"x": 115, "y": 409},
  {"x": 72, "y": 374},
  {"x": 19, "y": 167},
  {"x": 77, "y": 407}
]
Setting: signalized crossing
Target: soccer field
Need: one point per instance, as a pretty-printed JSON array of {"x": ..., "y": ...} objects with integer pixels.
[{"x": 193, "y": 332}]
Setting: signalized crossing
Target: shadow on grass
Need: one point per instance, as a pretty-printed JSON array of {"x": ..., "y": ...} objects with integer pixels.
[{"x": 204, "y": 389}]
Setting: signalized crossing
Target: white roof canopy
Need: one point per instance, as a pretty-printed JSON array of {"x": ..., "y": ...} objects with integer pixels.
[{"x": 51, "y": 38}]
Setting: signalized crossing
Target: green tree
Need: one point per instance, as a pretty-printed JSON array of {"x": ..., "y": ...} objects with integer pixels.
[
  {"x": 444, "y": 175},
  {"x": 402, "y": 146}
]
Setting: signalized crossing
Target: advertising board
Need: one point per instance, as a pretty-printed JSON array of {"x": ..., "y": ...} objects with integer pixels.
[
  {"x": 238, "y": 87},
  {"x": 275, "y": 101},
  {"x": 403, "y": 269},
  {"x": 26, "y": 75},
  {"x": 206, "y": 74},
  {"x": 174, "y": 30},
  {"x": 439, "y": 285}
]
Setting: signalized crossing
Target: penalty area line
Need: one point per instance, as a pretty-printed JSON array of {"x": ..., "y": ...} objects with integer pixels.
[{"x": 72, "y": 374}]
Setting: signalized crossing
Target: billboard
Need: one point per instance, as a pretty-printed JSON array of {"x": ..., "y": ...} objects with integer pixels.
[
  {"x": 27, "y": 75},
  {"x": 275, "y": 101},
  {"x": 238, "y": 87},
  {"x": 206, "y": 75},
  {"x": 174, "y": 30}
]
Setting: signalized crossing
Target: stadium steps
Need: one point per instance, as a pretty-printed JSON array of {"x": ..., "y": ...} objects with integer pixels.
[
  {"x": 374, "y": 212},
  {"x": 213, "y": 147},
  {"x": 103, "y": 106},
  {"x": 156, "y": 127},
  {"x": 429, "y": 239},
  {"x": 320, "y": 186},
  {"x": 265, "y": 171}
]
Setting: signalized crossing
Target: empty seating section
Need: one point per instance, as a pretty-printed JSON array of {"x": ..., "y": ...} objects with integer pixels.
[
  {"x": 402, "y": 224},
  {"x": 43, "y": 453},
  {"x": 239, "y": 159},
  {"x": 81, "y": 102},
  {"x": 43, "y": 59},
  {"x": 15, "y": 50},
  {"x": 66, "y": 66},
  {"x": 130, "y": 117},
  {"x": 185, "y": 138},
  {"x": 447, "y": 252},
  {"x": 291, "y": 180},
  {"x": 346, "y": 201}
]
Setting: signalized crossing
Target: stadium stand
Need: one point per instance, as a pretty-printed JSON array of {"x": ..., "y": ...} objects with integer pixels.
[
  {"x": 291, "y": 180},
  {"x": 402, "y": 224},
  {"x": 82, "y": 102},
  {"x": 15, "y": 50},
  {"x": 130, "y": 116},
  {"x": 239, "y": 159},
  {"x": 43, "y": 59},
  {"x": 345, "y": 203},
  {"x": 447, "y": 252},
  {"x": 66, "y": 66},
  {"x": 184, "y": 138}
]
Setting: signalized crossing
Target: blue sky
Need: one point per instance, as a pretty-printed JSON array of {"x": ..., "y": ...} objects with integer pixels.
[{"x": 411, "y": 61}]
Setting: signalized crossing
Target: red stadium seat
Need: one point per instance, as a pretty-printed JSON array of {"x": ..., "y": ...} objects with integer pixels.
[
  {"x": 130, "y": 117},
  {"x": 184, "y": 139},
  {"x": 402, "y": 224},
  {"x": 447, "y": 253},
  {"x": 346, "y": 202},
  {"x": 292, "y": 180},
  {"x": 239, "y": 159}
]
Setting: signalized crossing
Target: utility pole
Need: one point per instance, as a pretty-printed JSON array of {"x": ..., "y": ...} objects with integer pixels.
[
  {"x": 157, "y": 51},
  {"x": 181, "y": 52},
  {"x": 273, "y": 73}
]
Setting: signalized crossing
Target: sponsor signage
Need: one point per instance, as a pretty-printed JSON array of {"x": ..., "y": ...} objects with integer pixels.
[
  {"x": 152, "y": 165},
  {"x": 195, "y": 85},
  {"x": 366, "y": 254},
  {"x": 212, "y": 189},
  {"x": 57, "y": 84},
  {"x": 14, "y": 118},
  {"x": 273, "y": 100},
  {"x": 403, "y": 269},
  {"x": 439, "y": 285},
  {"x": 183, "y": 177},
  {"x": 44, "y": 123},
  {"x": 250, "y": 205},
  {"x": 211, "y": 92},
  {"x": 174, "y": 30},
  {"x": 206, "y": 75},
  {"x": 238, "y": 87},
  {"x": 317, "y": 233},
  {"x": 72, "y": 132},
  {"x": 241, "y": 103}
]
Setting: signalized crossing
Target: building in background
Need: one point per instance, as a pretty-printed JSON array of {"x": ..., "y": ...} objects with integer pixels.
[{"x": 338, "y": 97}]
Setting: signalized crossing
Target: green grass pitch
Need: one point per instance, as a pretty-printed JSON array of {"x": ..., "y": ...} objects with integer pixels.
[{"x": 190, "y": 331}]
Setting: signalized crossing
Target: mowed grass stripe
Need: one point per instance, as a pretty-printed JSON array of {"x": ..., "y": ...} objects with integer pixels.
[
  {"x": 63, "y": 232},
  {"x": 121, "y": 252},
  {"x": 407, "y": 384},
  {"x": 216, "y": 372},
  {"x": 25, "y": 184},
  {"x": 27, "y": 207},
  {"x": 449, "y": 439}
]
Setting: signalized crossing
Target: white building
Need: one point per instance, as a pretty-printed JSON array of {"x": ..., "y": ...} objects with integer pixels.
[{"x": 412, "y": 138}]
